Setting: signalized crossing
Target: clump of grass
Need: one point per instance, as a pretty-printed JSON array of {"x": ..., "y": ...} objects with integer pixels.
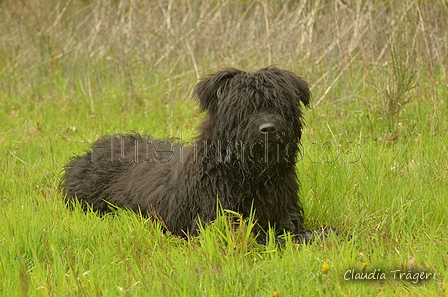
[
  {"x": 401, "y": 80},
  {"x": 229, "y": 234}
]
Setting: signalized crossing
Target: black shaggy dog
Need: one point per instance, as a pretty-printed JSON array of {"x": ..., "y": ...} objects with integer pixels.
[{"x": 244, "y": 157}]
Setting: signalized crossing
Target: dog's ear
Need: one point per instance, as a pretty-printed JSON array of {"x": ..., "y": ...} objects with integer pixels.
[
  {"x": 294, "y": 84},
  {"x": 210, "y": 89},
  {"x": 302, "y": 89}
]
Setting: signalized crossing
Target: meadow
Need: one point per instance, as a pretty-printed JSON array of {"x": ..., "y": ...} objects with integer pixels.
[{"x": 374, "y": 161}]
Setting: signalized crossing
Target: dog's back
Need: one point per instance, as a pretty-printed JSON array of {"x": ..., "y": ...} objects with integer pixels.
[{"x": 92, "y": 178}]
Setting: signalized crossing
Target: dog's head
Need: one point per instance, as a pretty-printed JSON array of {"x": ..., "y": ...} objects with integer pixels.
[
  {"x": 212, "y": 89},
  {"x": 252, "y": 107}
]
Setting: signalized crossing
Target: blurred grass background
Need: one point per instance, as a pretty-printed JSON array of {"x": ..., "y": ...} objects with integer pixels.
[{"x": 374, "y": 161}]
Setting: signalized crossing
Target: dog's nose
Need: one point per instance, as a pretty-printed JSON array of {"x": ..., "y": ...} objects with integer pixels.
[{"x": 267, "y": 128}]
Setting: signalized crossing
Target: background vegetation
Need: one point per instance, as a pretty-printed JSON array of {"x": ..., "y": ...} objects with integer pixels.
[{"x": 375, "y": 154}]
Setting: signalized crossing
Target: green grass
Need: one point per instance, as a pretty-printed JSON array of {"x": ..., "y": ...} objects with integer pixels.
[{"x": 375, "y": 154}]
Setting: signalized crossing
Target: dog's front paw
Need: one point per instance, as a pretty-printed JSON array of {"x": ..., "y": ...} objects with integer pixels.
[{"x": 308, "y": 236}]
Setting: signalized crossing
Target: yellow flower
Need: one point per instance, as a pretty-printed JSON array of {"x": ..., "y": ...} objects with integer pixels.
[
  {"x": 274, "y": 294},
  {"x": 325, "y": 268}
]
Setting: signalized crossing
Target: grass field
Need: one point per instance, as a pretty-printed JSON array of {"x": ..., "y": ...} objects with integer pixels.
[{"x": 374, "y": 161}]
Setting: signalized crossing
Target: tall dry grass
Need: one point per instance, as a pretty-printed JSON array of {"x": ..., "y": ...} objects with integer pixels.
[{"x": 345, "y": 48}]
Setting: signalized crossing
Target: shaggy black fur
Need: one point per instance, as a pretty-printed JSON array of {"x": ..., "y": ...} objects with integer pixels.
[{"x": 244, "y": 157}]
